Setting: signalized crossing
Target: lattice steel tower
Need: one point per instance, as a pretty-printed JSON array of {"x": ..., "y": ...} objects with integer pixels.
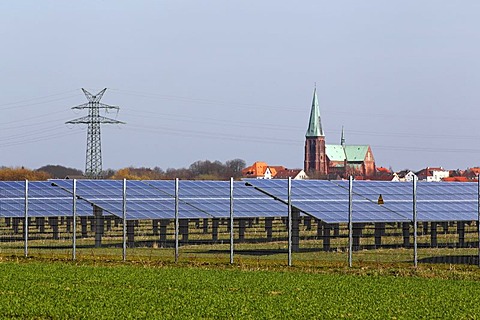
[{"x": 93, "y": 165}]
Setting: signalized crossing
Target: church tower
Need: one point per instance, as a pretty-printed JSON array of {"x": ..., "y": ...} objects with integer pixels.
[{"x": 315, "y": 156}]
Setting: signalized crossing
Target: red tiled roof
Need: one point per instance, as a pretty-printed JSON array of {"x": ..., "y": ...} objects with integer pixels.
[
  {"x": 286, "y": 173},
  {"x": 459, "y": 179}
]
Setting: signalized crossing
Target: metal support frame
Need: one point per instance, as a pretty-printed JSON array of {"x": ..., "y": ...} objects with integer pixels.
[
  {"x": 25, "y": 224},
  {"x": 231, "y": 221},
  {"x": 289, "y": 188},
  {"x": 124, "y": 213},
  {"x": 350, "y": 221},
  {"x": 74, "y": 221},
  {"x": 176, "y": 220},
  {"x": 414, "y": 208},
  {"x": 478, "y": 217}
]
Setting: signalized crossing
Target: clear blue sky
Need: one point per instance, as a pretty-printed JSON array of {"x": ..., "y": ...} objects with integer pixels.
[{"x": 220, "y": 80}]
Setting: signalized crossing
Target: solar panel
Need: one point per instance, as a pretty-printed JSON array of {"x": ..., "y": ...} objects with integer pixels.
[
  {"x": 143, "y": 202},
  {"x": 43, "y": 200},
  {"x": 452, "y": 201}
]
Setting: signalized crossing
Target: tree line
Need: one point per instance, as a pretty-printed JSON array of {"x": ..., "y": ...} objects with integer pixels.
[{"x": 199, "y": 170}]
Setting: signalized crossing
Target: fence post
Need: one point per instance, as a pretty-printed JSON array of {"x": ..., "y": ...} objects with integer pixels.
[
  {"x": 415, "y": 253},
  {"x": 350, "y": 221},
  {"x": 25, "y": 224},
  {"x": 74, "y": 222},
  {"x": 289, "y": 188},
  {"x": 124, "y": 216},
  {"x": 176, "y": 220},
  {"x": 231, "y": 220}
]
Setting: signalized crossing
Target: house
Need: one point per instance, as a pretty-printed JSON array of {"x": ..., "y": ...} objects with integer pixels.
[
  {"x": 257, "y": 170},
  {"x": 326, "y": 160},
  {"x": 433, "y": 174},
  {"x": 472, "y": 173},
  {"x": 295, "y": 174},
  {"x": 405, "y": 175}
]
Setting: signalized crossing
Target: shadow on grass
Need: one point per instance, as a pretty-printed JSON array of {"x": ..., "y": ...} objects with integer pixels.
[
  {"x": 258, "y": 252},
  {"x": 464, "y": 259}
]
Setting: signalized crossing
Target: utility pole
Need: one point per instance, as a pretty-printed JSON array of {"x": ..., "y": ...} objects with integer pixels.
[{"x": 93, "y": 165}]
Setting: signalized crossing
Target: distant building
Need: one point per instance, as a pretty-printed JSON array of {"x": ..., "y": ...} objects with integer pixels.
[
  {"x": 472, "y": 173},
  {"x": 261, "y": 170},
  {"x": 385, "y": 174},
  {"x": 430, "y": 174},
  {"x": 295, "y": 174},
  {"x": 257, "y": 170},
  {"x": 405, "y": 175},
  {"x": 469, "y": 175},
  {"x": 329, "y": 160}
]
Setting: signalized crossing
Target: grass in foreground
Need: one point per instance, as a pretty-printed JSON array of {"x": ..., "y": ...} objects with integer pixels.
[{"x": 36, "y": 289}]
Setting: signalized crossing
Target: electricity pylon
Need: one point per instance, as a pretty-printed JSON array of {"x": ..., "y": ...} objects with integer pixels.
[{"x": 93, "y": 165}]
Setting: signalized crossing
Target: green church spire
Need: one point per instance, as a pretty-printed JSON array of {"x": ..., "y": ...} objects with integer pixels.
[{"x": 315, "y": 125}]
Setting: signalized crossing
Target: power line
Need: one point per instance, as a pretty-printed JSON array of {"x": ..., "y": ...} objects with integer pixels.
[
  {"x": 30, "y": 133},
  {"x": 49, "y": 137},
  {"x": 296, "y": 109},
  {"x": 276, "y": 140},
  {"x": 28, "y": 103},
  {"x": 271, "y": 126}
]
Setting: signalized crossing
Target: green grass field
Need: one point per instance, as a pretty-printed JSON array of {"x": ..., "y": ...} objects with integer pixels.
[
  {"x": 58, "y": 289},
  {"x": 382, "y": 283}
]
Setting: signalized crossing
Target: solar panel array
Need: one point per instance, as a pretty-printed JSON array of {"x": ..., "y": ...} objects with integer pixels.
[
  {"x": 324, "y": 200},
  {"x": 156, "y": 199},
  {"x": 328, "y": 200}
]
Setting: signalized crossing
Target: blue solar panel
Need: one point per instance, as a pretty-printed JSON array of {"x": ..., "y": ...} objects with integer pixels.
[
  {"x": 437, "y": 201},
  {"x": 43, "y": 200},
  {"x": 143, "y": 202}
]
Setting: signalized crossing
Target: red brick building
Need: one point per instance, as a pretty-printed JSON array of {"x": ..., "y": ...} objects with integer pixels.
[{"x": 331, "y": 160}]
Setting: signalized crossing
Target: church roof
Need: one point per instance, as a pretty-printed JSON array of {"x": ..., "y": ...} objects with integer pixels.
[
  {"x": 356, "y": 153},
  {"x": 315, "y": 124},
  {"x": 336, "y": 152}
]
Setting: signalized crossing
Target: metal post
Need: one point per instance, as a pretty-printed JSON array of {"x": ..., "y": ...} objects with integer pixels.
[
  {"x": 231, "y": 220},
  {"x": 350, "y": 221},
  {"x": 415, "y": 253},
  {"x": 289, "y": 221},
  {"x": 478, "y": 217},
  {"x": 25, "y": 224},
  {"x": 74, "y": 214},
  {"x": 176, "y": 220},
  {"x": 124, "y": 212}
]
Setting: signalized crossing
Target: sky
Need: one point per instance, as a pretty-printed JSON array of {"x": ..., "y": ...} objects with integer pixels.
[{"x": 220, "y": 80}]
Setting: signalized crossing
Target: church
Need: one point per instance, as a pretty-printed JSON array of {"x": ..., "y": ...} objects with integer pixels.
[{"x": 332, "y": 161}]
